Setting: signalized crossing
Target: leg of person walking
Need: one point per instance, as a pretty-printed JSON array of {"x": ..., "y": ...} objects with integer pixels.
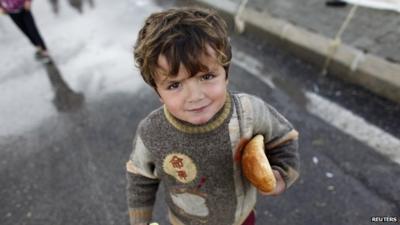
[
  {"x": 25, "y": 21},
  {"x": 33, "y": 30},
  {"x": 18, "y": 19}
]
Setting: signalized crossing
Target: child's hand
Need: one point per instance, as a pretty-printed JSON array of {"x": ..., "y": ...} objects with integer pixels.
[
  {"x": 280, "y": 185},
  {"x": 27, "y": 5}
]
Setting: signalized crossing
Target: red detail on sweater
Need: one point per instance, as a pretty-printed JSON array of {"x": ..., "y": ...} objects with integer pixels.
[
  {"x": 182, "y": 174},
  {"x": 201, "y": 183},
  {"x": 176, "y": 162},
  {"x": 239, "y": 149}
]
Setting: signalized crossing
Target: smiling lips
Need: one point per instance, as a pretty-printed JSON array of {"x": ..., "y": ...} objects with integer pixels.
[{"x": 198, "y": 109}]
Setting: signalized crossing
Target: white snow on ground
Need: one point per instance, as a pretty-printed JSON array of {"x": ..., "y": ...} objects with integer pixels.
[
  {"x": 378, "y": 4},
  {"x": 93, "y": 52}
]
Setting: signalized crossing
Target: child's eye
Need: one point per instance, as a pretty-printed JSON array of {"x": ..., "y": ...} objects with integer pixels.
[
  {"x": 173, "y": 86},
  {"x": 207, "y": 76}
]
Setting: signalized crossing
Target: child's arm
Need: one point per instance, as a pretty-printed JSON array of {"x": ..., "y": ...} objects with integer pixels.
[
  {"x": 141, "y": 192},
  {"x": 284, "y": 160},
  {"x": 281, "y": 144},
  {"x": 142, "y": 184}
]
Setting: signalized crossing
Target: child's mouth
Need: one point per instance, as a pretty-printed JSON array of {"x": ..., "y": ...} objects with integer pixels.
[{"x": 195, "y": 110}]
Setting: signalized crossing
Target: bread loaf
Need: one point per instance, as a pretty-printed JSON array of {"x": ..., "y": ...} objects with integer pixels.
[{"x": 256, "y": 167}]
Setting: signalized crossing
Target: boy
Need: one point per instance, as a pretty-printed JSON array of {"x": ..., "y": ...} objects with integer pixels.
[{"x": 193, "y": 142}]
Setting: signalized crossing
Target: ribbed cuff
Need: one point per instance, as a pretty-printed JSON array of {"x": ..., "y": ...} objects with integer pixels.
[
  {"x": 140, "y": 215},
  {"x": 289, "y": 176}
]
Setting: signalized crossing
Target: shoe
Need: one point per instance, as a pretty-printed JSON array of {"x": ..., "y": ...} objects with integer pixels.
[
  {"x": 336, "y": 3},
  {"x": 42, "y": 57}
]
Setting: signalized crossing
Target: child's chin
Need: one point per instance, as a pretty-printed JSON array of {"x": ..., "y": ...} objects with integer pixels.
[{"x": 199, "y": 121}]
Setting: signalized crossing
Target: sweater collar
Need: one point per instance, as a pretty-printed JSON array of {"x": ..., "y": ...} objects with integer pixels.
[{"x": 213, "y": 124}]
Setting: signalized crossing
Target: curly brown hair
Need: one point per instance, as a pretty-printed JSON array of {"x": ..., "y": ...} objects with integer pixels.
[{"x": 181, "y": 35}]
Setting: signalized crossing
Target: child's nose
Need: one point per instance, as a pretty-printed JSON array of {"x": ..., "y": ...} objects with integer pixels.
[{"x": 195, "y": 93}]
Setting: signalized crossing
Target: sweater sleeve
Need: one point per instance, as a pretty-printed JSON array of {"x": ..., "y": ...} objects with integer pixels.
[
  {"x": 142, "y": 183},
  {"x": 281, "y": 140}
]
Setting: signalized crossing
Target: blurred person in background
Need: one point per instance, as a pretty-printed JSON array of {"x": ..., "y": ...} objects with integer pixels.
[{"x": 20, "y": 12}]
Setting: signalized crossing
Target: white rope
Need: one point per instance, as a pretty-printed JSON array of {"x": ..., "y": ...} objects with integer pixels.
[
  {"x": 239, "y": 23},
  {"x": 285, "y": 28},
  {"x": 356, "y": 61},
  {"x": 347, "y": 21},
  {"x": 335, "y": 43}
]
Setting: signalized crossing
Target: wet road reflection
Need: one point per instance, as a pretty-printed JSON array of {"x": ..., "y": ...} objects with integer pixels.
[{"x": 65, "y": 99}]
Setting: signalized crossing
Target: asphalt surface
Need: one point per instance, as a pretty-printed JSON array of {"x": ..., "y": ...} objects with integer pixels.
[{"x": 67, "y": 127}]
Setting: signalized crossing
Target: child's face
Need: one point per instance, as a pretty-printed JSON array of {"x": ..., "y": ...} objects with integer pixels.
[{"x": 193, "y": 99}]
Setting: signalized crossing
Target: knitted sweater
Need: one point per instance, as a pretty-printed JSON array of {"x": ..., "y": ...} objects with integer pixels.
[{"x": 200, "y": 165}]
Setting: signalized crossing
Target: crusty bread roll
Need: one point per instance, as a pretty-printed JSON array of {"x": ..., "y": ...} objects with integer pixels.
[{"x": 256, "y": 167}]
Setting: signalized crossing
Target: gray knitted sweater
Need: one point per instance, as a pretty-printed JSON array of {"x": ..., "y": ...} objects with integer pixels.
[{"x": 200, "y": 165}]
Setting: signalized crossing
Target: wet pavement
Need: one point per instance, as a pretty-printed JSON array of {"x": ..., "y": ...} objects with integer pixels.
[{"x": 67, "y": 127}]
